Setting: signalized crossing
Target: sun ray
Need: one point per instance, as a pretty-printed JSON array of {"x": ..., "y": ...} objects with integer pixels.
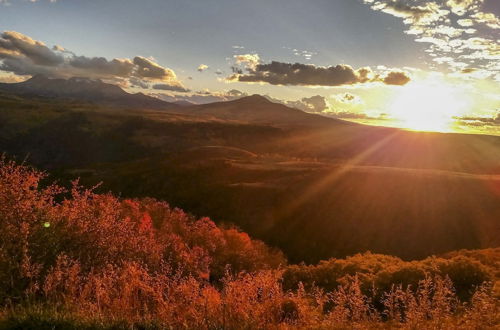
[{"x": 316, "y": 188}]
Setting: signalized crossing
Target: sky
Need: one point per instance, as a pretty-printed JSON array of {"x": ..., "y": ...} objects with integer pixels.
[{"x": 417, "y": 64}]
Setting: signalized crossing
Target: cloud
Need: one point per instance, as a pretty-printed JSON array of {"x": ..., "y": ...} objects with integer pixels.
[
  {"x": 315, "y": 103},
  {"x": 446, "y": 27},
  {"x": 21, "y": 55},
  {"x": 396, "y": 78},
  {"x": 202, "y": 67},
  {"x": 250, "y": 60},
  {"x": 202, "y": 97},
  {"x": 11, "y": 78},
  {"x": 347, "y": 98},
  {"x": 489, "y": 19},
  {"x": 135, "y": 82},
  {"x": 279, "y": 73},
  {"x": 461, "y": 7},
  {"x": 14, "y": 44},
  {"x": 467, "y": 22},
  {"x": 167, "y": 87},
  {"x": 494, "y": 120},
  {"x": 146, "y": 68},
  {"x": 412, "y": 11},
  {"x": 351, "y": 115},
  {"x": 101, "y": 66}
]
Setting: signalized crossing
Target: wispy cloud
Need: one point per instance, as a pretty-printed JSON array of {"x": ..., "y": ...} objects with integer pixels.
[{"x": 459, "y": 33}]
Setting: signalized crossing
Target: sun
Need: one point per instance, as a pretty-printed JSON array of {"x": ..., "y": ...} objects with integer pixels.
[{"x": 428, "y": 105}]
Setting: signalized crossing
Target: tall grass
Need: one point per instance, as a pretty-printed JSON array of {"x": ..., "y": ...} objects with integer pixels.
[{"x": 76, "y": 259}]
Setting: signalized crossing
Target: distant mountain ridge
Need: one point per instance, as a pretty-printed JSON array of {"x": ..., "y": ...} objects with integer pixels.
[
  {"x": 83, "y": 89},
  {"x": 254, "y": 109},
  {"x": 259, "y": 110}
]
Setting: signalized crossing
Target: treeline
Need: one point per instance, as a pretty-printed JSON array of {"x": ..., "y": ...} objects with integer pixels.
[{"x": 77, "y": 259}]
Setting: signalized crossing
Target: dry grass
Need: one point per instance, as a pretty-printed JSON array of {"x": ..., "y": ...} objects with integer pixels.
[{"x": 87, "y": 261}]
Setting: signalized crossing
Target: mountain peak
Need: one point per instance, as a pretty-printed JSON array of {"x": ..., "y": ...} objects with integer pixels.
[{"x": 255, "y": 98}]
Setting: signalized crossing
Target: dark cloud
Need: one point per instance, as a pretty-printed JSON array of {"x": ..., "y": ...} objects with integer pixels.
[
  {"x": 21, "y": 55},
  {"x": 167, "y": 87},
  {"x": 404, "y": 8},
  {"x": 101, "y": 66},
  {"x": 468, "y": 70},
  {"x": 146, "y": 68},
  {"x": 396, "y": 78},
  {"x": 480, "y": 121},
  {"x": 22, "y": 66},
  {"x": 14, "y": 44},
  {"x": 279, "y": 73}
]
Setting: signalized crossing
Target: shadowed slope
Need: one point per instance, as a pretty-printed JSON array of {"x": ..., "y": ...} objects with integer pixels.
[
  {"x": 257, "y": 109},
  {"x": 315, "y": 191},
  {"x": 83, "y": 89}
]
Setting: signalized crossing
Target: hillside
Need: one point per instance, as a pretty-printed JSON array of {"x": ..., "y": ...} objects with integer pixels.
[
  {"x": 257, "y": 109},
  {"x": 315, "y": 191},
  {"x": 81, "y": 260},
  {"x": 83, "y": 89},
  {"x": 315, "y": 210}
]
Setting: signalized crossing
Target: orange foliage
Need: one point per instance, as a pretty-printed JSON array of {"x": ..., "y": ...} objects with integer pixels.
[{"x": 144, "y": 264}]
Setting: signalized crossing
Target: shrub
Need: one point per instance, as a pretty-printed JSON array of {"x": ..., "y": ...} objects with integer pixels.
[{"x": 91, "y": 261}]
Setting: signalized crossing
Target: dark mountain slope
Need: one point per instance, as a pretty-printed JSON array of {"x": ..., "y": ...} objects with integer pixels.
[
  {"x": 317, "y": 191},
  {"x": 83, "y": 90},
  {"x": 257, "y": 109}
]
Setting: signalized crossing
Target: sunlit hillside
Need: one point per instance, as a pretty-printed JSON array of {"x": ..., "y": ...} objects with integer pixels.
[
  {"x": 76, "y": 259},
  {"x": 230, "y": 164},
  {"x": 314, "y": 187}
]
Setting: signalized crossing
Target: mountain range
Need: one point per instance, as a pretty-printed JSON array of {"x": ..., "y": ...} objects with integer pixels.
[
  {"x": 83, "y": 89},
  {"x": 315, "y": 187},
  {"x": 254, "y": 109}
]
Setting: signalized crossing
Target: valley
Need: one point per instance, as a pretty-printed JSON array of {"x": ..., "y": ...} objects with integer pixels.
[{"x": 312, "y": 186}]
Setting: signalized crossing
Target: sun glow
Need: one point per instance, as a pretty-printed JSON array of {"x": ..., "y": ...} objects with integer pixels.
[{"x": 429, "y": 105}]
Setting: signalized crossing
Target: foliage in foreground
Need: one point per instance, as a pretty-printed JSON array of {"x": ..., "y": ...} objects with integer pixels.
[{"x": 82, "y": 260}]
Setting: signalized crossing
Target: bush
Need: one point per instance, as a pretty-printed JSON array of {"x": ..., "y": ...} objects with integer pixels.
[{"x": 89, "y": 261}]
